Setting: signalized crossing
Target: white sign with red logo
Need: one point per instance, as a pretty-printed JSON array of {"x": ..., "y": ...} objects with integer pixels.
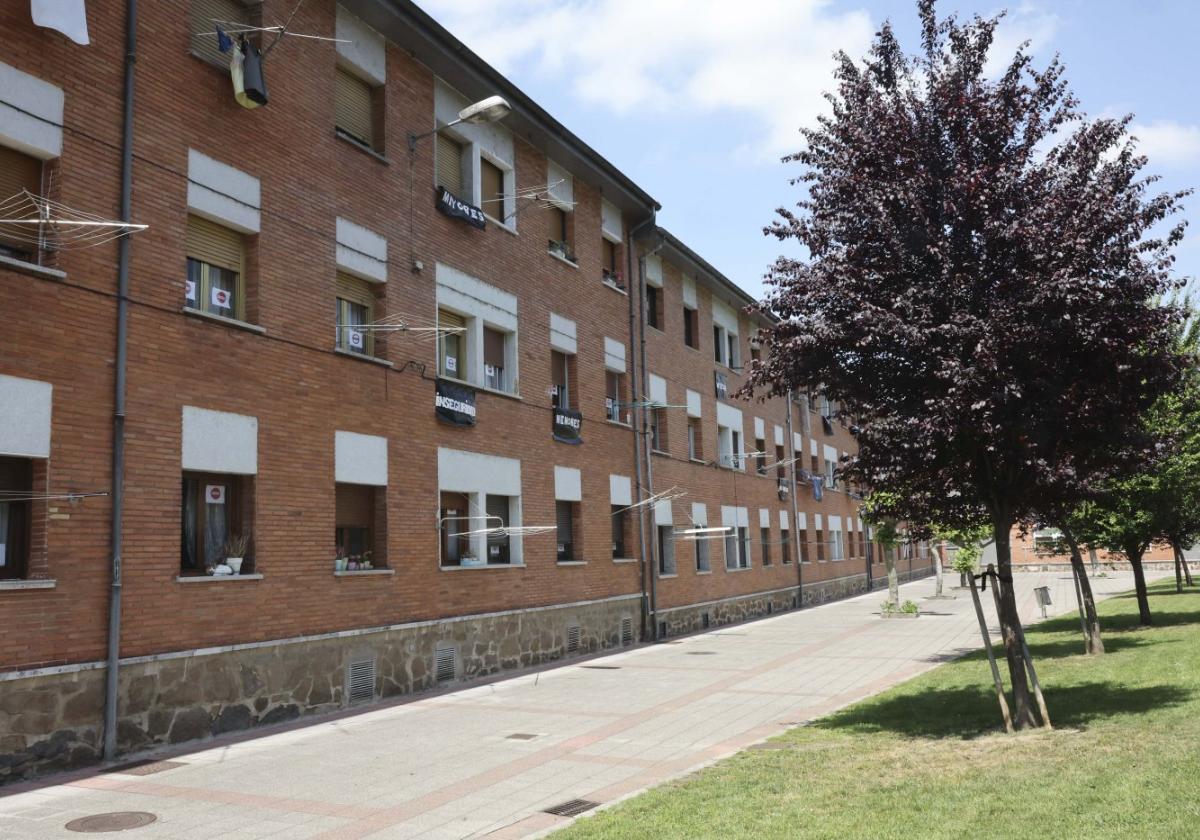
[
  {"x": 221, "y": 298},
  {"x": 190, "y": 287},
  {"x": 214, "y": 494}
]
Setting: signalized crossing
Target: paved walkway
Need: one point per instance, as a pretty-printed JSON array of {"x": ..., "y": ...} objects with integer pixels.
[{"x": 486, "y": 760}]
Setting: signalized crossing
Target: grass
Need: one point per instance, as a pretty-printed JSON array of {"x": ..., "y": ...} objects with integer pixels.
[{"x": 928, "y": 759}]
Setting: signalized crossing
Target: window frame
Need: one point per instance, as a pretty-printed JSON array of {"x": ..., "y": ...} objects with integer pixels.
[{"x": 237, "y": 497}]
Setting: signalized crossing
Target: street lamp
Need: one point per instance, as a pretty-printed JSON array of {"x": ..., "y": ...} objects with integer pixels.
[{"x": 490, "y": 110}]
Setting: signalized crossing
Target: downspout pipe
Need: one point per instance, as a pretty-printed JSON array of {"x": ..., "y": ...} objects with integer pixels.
[
  {"x": 111, "y": 688},
  {"x": 644, "y": 438},
  {"x": 646, "y": 581},
  {"x": 795, "y": 503}
]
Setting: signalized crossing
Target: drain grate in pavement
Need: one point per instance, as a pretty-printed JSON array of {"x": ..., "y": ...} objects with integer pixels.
[
  {"x": 572, "y": 807},
  {"x": 602, "y": 667},
  {"x": 145, "y": 767},
  {"x": 115, "y": 821},
  {"x": 701, "y": 653},
  {"x": 522, "y": 736}
]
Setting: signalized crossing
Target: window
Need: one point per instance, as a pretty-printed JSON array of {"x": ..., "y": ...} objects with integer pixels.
[
  {"x": 803, "y": 537},
  {"x": 725, "y": 446},
  {"x": 16, "y": 517},
  {"x": 355, "y": 312},
  {"x": 358, "y": 540},
  {"x": 567, "y": 519},
  {"x": 703, "y": 552},
  {"x": 354, "y": 110},
  {"x": 494, "y": 375},
  {"x": 620, "y": 524},
  {"x": 695, "y": 438},
  {"x": 731, "y": 548},
  {"x": 735, "y": 355},
  {"x": 611, "y": 263},
  {"x": 785, "y": 545},
  {"x": 830, "y": 472},
  {"x": 230, "y": 13},
  {"x": 837, "y": 546},
  {"x": 449, "y": 164},
  {"x": 719, "y": 346},
  {"x": 658, "y": 429},
  {"x": 760, "y": 456},
  {"x": 764, "y": 535},
  {"x": 18, "y": 172},
  {"x": 452, "y": 344},
  {"x": 614, "y": 397},
  {"x": 654, "y": 313},
  {"x": 737, "y": 456},
  {"x": 454, "y": 518},
  {"x": 666, "y": 550},
  {"x": 215, "y": 269},
  {"x": 491, "y": 190},
  {"x": 819, "y": 540},
  {"x": 562, "y": 234},
  {"x": 216, "y": 508},
  {"x": 779, "y": 467},
  {"x": 744, "y": 539},
  {"x": 499, "y": 515},
  {"x": 562, "y": 372}
]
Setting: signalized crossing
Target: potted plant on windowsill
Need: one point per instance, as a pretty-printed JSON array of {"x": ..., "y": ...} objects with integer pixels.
[
  {"x": 561, "y": 249},
  {"x": 235, "y": 551}
]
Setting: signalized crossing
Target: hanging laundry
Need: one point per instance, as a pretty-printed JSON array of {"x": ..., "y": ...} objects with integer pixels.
[
  {"x": 818, "y": 483},
  {"x": 66, "y": 16},
  {"x": 224, "y": 42},
  {"x": 246, "y": 70}
]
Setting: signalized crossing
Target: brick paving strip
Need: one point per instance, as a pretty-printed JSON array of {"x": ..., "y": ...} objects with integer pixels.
[{"x": 445, "y": 766}]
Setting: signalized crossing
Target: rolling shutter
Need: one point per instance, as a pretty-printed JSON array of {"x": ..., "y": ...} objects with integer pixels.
[
  {"x": 205, "y": 14},
  {"x": 355, "y": 290},
  {"x": 491, "y": 189},
  {"x": 213, "y": 244},
  {"x": 449, "y": 165},
  {"x": 18, "y": 172},
  {"x": 353, "y": 107}
]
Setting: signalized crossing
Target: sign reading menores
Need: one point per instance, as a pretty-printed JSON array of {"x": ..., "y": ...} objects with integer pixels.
[
  {"x": 455, "y": 404},
  {"x": 456, "y": 208},
  {"x": 568, "y": 425}
]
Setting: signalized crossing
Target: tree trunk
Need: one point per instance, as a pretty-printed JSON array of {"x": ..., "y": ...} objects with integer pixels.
[
  {"x": 937, "y": 570},
  {"x": 1139, "y": 581},
  {"x": 889, "y": 559},
  {"x": 1178, "y": 571},
  {"x": 1091, "y": 637},
  {"x": 1010, "y": 629},
  {"x": 1187, "y": 572}
]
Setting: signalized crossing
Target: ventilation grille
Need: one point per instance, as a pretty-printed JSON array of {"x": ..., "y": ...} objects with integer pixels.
[
  {"x": 662, "y": 629},
  {"x": 626, "y": 631},
  {"x": 705, "y": 620},
  {"x": 770, "y": 607},
  {"x": 443, "y": 663},
  {"x": 572, "y": 807},
  {"x": 572, "y": 638},
  {"x": 360, "y": 681}
]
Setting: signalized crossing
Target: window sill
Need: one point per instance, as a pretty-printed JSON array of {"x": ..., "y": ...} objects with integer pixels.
[
  {"x": 32, "y": 269},
  {"x": 624, "y": 559},
  {"x": 483, "y": 567},
  {"x": 362, "y": 357},
  {"x": 699, "y": 461},
  {"x": 507, "y": 228},
  {"x": 658, "y": 330},
  {"x": 31, "y": 583},
  {"x": 614, "y": 287},
  {"x": 704, "y": 571},
  {"x": 661, "y": 453},
  {"x": 507, "y": 394},
  {"x": 661, "y": 576},
  {"x": 363, "y": 572},
  {"x": 563, "y": 259},
  {"x": 570, "y": 562},
  {"x": 221, "y": 319},
  {"x": 361, "y": 146},
  {"x": 739, "y": 569},
  {"x": 215, "y": 578}
]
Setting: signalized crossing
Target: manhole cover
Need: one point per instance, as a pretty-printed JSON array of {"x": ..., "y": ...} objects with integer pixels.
[
  {"x": 116, "y": 821},
  {"x": 701, "y": 653},
  {"x": 145, "y": 767},
  {"x": 572, "y": 807},
  {"x": 522, "y": 736}
]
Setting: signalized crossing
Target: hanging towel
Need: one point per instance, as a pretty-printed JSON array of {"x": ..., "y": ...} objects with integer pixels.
[
  {"x": 66, "y": 16},
  {"x": 818, "y": 482}
]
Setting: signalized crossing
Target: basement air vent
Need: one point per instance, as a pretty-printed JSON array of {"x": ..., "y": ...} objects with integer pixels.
[
  {"x": 572, "y": 638},
  {"x": 770, "y": 607},
  {"x": 360, "y": 681},
  {"x": 626, "y": 631},
  {"x": 443, "y": 663},
  {"x": 662, "y": 629},
  {"x": 705, "y": 620}
]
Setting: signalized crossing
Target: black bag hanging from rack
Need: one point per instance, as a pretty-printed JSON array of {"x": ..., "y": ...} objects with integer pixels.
[{"x": 254, "y": 82}]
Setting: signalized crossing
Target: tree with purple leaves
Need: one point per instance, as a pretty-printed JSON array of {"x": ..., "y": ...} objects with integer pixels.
[{"x": 984, "y": 265}]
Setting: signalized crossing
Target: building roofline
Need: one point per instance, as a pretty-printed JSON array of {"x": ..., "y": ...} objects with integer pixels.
[{"x": 690, "y": 259}]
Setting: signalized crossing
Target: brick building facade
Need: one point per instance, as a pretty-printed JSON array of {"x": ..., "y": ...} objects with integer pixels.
[{"x": 369, "y": 382}]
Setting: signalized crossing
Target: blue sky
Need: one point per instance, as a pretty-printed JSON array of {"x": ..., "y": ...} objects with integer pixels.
[{"x": 697, "y": 102}]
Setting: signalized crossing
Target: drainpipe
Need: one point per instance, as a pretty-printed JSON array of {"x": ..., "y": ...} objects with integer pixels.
[
  {"x": 644, "y": 439},
  {"x": 795, "y": 504},
  {"x": 118, "y": 455},
  {"x": 647, "y": 582}
]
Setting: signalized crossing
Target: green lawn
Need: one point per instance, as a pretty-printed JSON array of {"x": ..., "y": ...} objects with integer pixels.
[{"x": 927, "y": 759}]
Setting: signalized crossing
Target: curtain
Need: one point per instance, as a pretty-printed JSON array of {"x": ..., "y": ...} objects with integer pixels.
[
  {"x": 4, "y": 517},
  {"x": 216, "y": 530},
  {"x": 190, "y": 491}
]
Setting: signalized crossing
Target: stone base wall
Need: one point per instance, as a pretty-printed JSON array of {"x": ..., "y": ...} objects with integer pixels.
[
  {"x": 680, "y": 621},
  {"x": 1106, "y": 566},
  {"x": 52, "y": 721}
]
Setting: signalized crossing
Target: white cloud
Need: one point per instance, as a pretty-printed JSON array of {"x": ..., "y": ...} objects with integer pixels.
[
  {"x": 1168, "y": 143},
  {"x": 1027, "y": 22},
  {"x": 768, "y": 61}
]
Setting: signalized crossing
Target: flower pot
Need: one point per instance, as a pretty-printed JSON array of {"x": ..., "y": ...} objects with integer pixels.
[{"x": 234, "y": 563}]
